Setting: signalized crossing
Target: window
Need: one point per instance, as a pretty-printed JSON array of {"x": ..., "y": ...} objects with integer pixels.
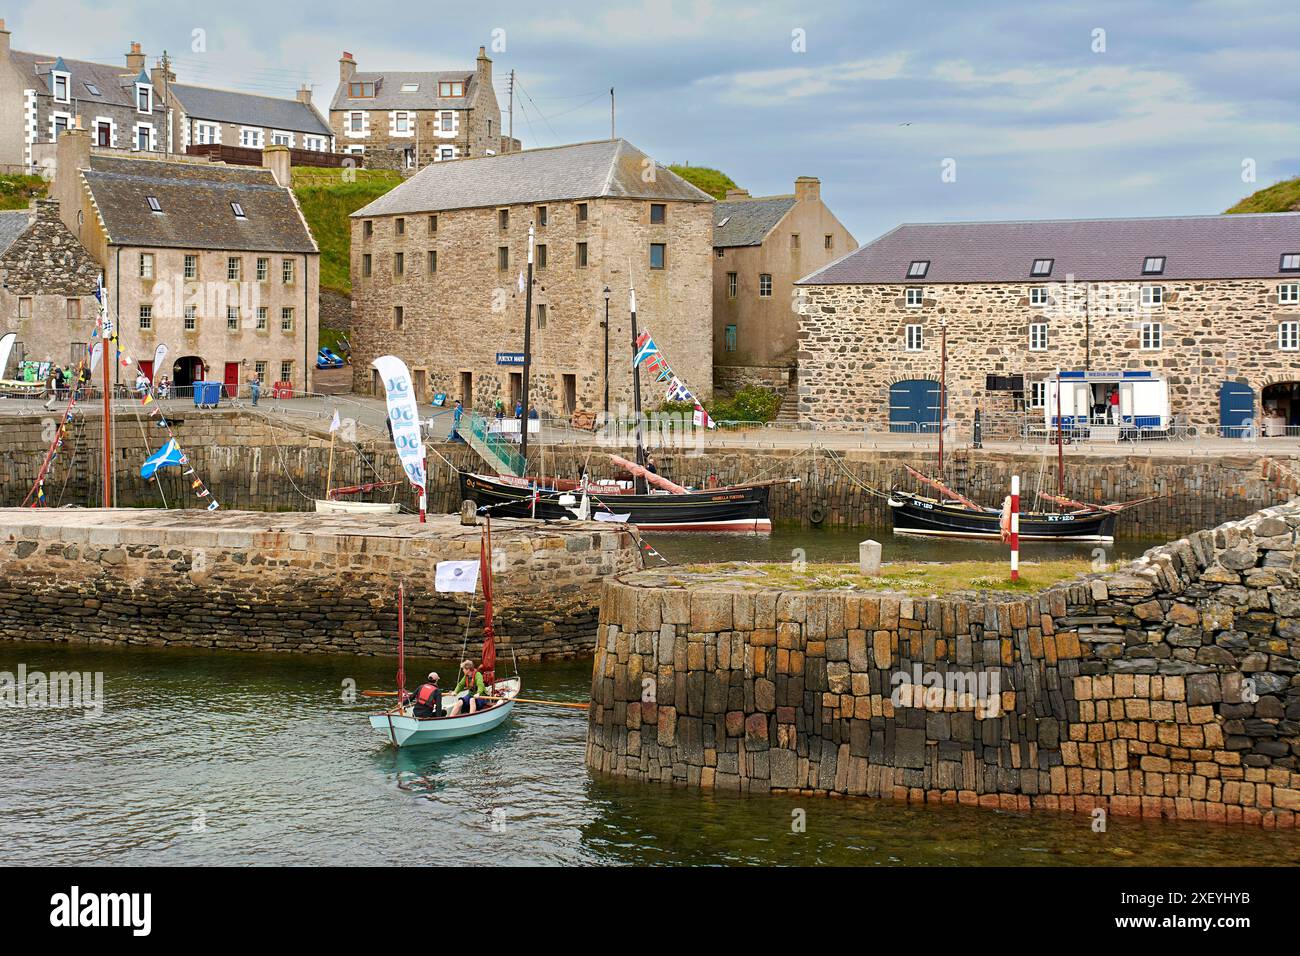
[
  {"x": 729, "y": 339},
  {"x": 238, "y": 210},
  {"x": 74, "y": 309},
  {"x": 913, "y": 338},
  {"x": 146, "y": 317},
  {"x": 205, "y": 133},
  {"x": 503, "y": 257},
  {"x": 315, "y": 143},
  {"x": 263, "y": 269},
  {"x": 286, "y": 271},
  {"x": 1290, "y": 262},
  {"x": 918, "y": 269},
  {"x": 541, "y": 316},
  {"x": 234, "y": 268},
  {"x": 143, "y": 98},
  {"x": 582, "y": 212},
  {"x": 368, "y": 228},
  {"x": 356, "y": 122},
  {"x": 399, "y": 225},
  {"x": 154, "y": 205},
  {"x": 1288, "y": 293},
  {"x": 1153, "y": 296},
  {"x": 191, "y": 318},
  {"x": 401, "y": 123},
  {"x": 398, "y": 317},
  {"x": 731, "y": 285},
  {"x": 503, "y": 219},
  {"x": 433, "y": 224},
  {"x": 828, "y": 241},
  {"x": 914, "y": 298},
  {"x": 447, "y": 121},
  {"x": 142, "y": 137},
  {"x": 61, "y": 124},
  {"x": 1038, "y": 295},
  {"x": 361, "y": 89},
  {"x": 765, "y": 286},
  {"x": 279, "y": 138},
  {"x": 720, "y": 253},
  {"x": 191, "y": 267},
  {"x": 1041, "y": 267},
  {"x": 286, "y": 371},
  {"x": 1037, "y": 394},
  {"x": 60, "y": 87},
  {"x": 25, "y": 307},
  {"x": 365, "y": 265},
  {"x": 582, "y": 255},
  {"x": 1153, "y": 265},
  {"x": 410, "y": 87},
  {"x": 433, "y": 260},
  {"x": 146, "y": 265},
  {"x": 1038, "y": 337},
  {"x": 286, "y": 319},
  {"x": 399, "y": 263},
  {"x": 260, "y": 368},
  {"x": 92, "y": 89},
  {"x": 541, "y": 256},
  {"x": 452, "y": 88},
  {"x": 794, "y": 242},
  {"x": 658, "y": 213},
  {"x": 1288, "y": 336},
  {"x": 446, "y": 152},
  {"x": 260, "y": 318},
  {"x": 657, "y": 253},
  {"x": 541, "y": 216},
  {"x": 250, "y": 137},
  {"x": 232, "y": 318},
  {"x": 1152, "y": 334}
]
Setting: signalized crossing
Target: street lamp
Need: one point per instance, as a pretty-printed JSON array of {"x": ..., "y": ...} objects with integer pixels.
[{"x": 605, "y": 325}]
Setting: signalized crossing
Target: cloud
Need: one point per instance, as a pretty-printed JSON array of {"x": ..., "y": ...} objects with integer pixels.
[{"x": 788, "y": 84}]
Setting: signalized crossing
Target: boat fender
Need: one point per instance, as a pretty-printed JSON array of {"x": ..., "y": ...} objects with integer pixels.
[{"x": 817, "y": 513}]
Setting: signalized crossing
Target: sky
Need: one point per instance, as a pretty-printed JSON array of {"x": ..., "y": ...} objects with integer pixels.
[{"x": 907, "y": 112}]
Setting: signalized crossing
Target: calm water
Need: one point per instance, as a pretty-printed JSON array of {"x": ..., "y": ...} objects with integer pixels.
[{"x": 219, "y": 757}]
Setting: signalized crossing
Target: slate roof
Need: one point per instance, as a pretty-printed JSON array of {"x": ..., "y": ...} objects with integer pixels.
[
  {"x": 746, "y": 222},
  {"x": 249, "y": 109},
  {"x": 1098, "y": 250},
  {"x": 605, "y": 168},
  {"x": 12, "y": 225},
  {"x": 389, "y": 95},
  {"x": 196, "y": 211},
  {"x": 116, "y": 84}
]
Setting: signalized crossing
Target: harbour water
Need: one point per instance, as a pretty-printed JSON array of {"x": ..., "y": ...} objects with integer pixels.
[{"x": 227, "y": 758}]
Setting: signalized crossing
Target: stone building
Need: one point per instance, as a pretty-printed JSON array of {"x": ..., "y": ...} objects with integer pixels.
[
  {"x": 41, "y": 95},
  {"x": 205, "y": 116},
  {"x": 216, "y": 262},
  {"x": 406, "y": 120},
  {"x": 47, "y": 287},
  {"x": 1209, "y": 305},
  {"x": 438, "y": 275},
  {"x": 761, "y": 246}
]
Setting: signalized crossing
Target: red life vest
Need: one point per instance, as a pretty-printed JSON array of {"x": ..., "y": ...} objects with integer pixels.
[
  {"x": 469, "y": 680},
  {"x": 425, "y": 693}
]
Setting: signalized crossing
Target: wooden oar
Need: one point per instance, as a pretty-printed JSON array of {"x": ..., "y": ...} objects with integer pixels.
[{"x": 520, "y": 700}]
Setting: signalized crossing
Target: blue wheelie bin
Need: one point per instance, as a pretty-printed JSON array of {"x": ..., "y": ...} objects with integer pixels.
[{"x": 207, "y": 394}]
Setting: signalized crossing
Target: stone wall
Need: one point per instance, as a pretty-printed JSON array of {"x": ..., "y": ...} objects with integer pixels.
[
  {"x": 1170, "y": 687},
  {"x": 305, "y": 583}
]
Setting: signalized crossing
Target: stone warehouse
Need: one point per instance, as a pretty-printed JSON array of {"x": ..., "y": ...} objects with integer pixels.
[
  {"x": 761, "y": 247},
  {"x": 438, "y": 269},
  {"x": 1207, "y": 305},
  {"x": 1167, "y": 688},
  {"x": 214, "y": 261}
]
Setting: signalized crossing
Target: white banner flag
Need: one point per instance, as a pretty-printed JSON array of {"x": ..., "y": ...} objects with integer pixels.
[
  {"x": 6, "y": 346},
  {"x": 159, "y": 357},
  {"x": 404, "y": 416},
  {"x": 96, "y": 353},
  {"x": 456, "y": 576}
]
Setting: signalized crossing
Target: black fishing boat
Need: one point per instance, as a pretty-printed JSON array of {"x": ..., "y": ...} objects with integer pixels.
[{"x": 918, "y": 515}]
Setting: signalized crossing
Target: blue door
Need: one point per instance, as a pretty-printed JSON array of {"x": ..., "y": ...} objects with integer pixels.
[
  {"x": 914, "y": 405},
  {"x": 1236, "y": 409}
]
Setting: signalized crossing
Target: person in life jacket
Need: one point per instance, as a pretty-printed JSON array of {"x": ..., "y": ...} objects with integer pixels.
[
  {"x": 472, "y": 680},
  {"x": 428, "y": 698}
]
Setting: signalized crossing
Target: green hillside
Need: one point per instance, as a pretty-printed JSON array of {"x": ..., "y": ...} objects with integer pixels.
[
  {"x": 1280, "y": 197},
  {"x": 327, "y": 200},
  {"x": 711, "y": 181},
  {"x": 17, "y": 192}
]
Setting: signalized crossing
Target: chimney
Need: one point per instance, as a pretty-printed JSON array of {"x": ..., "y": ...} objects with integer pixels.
[
  {"x": 484, "y": 67},
  {"x": 807, "y": 188},
  {"x": 135, "y": 59},
  {"x": 304, "y": 94},
  {"x": 73, "y": 150},
  {"x": 4, "y": 40},
  {"x": 737, "y": 193},
  {"x": 347, "y": 67},
  {"x": 276, "y": 159}
]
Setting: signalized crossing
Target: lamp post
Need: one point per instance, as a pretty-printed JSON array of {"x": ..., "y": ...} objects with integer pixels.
[{"x": 605, "y": 325}]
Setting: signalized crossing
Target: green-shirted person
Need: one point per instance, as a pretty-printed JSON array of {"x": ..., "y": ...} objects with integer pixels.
[{"x": 471, "y": 679}]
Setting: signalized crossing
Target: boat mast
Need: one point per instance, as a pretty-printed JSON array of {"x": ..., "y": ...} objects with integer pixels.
[
  {"x": 329, "y": 472},
  {"x": 528, "y": 358},
  {"x": 636, "y": 387},
  {"x": 107, "y": 339},
  {"x": 401, "y": 642},
  {"x": 943, "y": 384},
  {"x": 1060, "y": 450}
]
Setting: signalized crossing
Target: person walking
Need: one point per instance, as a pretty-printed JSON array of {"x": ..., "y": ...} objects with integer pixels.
[
  {"x": 255, "y": 386},
  {"x": 456, "y": 412}
]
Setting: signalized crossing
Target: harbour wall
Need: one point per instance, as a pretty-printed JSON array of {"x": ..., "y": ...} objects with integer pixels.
[
  {"x": 298, "y": 582},
  {"x": 255, "y": 461},
  {"x": 1167, "y": 688}
]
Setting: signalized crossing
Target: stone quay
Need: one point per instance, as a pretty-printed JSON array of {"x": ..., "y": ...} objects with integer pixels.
[
  {"x": 1167, "y": 688},
  {"x": 308, "y": 583}
]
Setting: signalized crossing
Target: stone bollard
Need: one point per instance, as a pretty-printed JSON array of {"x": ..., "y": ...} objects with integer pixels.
[
  {"x": 468, "y": 513},
  {"x": 869, "y": 557}
]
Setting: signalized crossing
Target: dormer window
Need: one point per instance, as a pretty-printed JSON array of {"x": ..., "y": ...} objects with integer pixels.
[
  {"x": 1290, "y": 262},
  {"x": 1041, "y": 267},
  {"x": 361, "y": 89},
  {"x": 62, "y": 83},
  {"x": 238, "y": 210},
  {"x": 451, "y": 88},
  {"x": 143, "y": 98},
  {"x": 154, "y": 204},
  {"x": 918, "y": 269},
  {"x": 1153, "y": 265}
]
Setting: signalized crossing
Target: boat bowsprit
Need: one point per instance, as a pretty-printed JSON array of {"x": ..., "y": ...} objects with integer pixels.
[{"x": 401, "y": 729}]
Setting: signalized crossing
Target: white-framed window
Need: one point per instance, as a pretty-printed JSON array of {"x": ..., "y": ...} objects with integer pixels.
[
  {"x": 913, "y": 338},
  {"x": 286, "y": 371},
  {"x": 1153, "y": 296},
  {"x": 191, "y": 266},
  {"x": 401, "y": 123},
  {"x": 207, "y": 134},
  {"x": 250, "y": 137},
  {"x": 1288, "y": 336},
  {"x": 191, "y": 318},
  {"x": 1038, "y": 295},
  {"x": 146, "y": 265},
  {"x": 105, "y": 132},
  {"x": 1037, "y": 394},
  {"x": 60, "y": 123},
  {"x": 286, "y": 271},
  {"x": 286, "y": 319},
  {"x": 1038, "y": 336},
  {"x": 1152, "y": 336},
  {"x": 410, "y": 87},
  {"x": 914, "y": 297},
  {"x": 447, "y": 121},
  {"x": 260, "y": 368},
  {"x": 1288, "y": 293},
  {"x": 280, "y": 138},
  {"x": 316, "y": 143},
  {"x": 260, "y": 318},
  {"x": 357, "y": 123},
  {"x": 232, "y": 318},
  {"x": 143, "y": 137},
  {"x": 446, "y": 152},
  {"x": 146, "y": 318},
  {"x": 263, "y": 268},
  {"x": 143, "y": 98},
  {"x": 62, "y": 87},
  {"x": 765, "y": 285},
  {"x": 234, "y": 268}
]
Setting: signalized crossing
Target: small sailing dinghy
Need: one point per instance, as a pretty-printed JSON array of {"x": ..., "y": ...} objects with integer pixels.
[
  {"x": 399, "y": 725},
  {"x": 333, "y": 503}
]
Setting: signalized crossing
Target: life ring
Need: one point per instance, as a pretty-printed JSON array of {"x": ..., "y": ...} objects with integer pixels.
[{"x": 817, "y": 514}]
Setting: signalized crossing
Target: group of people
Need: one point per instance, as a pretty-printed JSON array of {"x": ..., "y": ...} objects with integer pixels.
[
  {"x": 143, "y": 386},
  {"x": 427, "y": 699}
]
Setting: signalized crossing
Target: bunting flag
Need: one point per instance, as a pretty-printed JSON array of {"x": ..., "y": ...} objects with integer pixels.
[
  {"x": 657, "y": 365},
  {"x": 647, "y": 348},
  {"x": 168, "y": 455}
]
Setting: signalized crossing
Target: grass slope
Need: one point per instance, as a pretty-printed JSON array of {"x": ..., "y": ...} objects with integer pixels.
[
  {"x": 711, "y": 181},
  {"x": 17, "y": 192},
  {"x": 327, "y": 199},
  {"x": 1280, "y": 197}
]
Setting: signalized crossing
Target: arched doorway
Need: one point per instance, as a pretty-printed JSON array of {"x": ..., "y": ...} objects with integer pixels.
[
  {"x": 187, "y": 370},
  {"x": 1281, "y": 408},
  {"x": 914, "y": 405}
]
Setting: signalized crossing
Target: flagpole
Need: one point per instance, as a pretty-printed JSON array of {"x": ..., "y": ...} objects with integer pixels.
[
  {"x": 329, "y": 473},
  {"x": 105, "y": 359},
  {"x": 636, "y": 386},
  {"x": 528, "y": 358}
]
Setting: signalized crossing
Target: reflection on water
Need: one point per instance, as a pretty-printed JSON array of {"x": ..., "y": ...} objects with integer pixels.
[{"x": 220, "y": 757}]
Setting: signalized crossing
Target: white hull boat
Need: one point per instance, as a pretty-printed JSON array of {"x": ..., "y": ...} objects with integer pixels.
[{"x": 326, "y": 506}]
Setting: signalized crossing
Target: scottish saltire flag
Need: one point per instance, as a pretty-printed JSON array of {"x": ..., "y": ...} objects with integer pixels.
[
  {"x": 168, "y": 454},
  {"x": 647, "y": 350}
]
